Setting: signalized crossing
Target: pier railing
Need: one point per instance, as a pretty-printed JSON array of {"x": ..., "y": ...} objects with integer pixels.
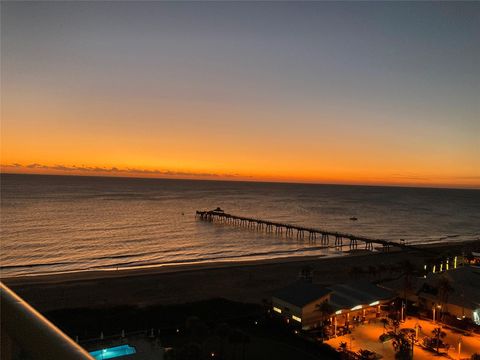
[
  {"x": 326, "y": 237},
  {"x": 26, "y": 334}
]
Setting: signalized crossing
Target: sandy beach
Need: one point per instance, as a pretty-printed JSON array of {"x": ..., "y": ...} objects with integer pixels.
[{"x": 239, "y": 281}]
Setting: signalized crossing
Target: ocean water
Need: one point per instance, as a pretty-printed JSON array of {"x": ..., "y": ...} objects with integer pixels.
[{"x": 65, "y": 223}]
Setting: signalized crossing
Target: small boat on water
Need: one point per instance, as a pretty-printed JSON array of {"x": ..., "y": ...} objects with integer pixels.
[{"x": 353, "y": 218}]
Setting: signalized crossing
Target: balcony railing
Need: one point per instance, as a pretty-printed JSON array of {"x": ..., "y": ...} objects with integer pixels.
[{"x": 26, "y": 334}]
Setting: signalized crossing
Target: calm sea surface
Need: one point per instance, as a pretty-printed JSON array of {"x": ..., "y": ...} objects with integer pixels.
[{"x": 62, "y": 223}]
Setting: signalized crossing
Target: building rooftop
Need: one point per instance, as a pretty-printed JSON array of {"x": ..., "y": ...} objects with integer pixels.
[
  {"x": 302, "y": 293},
  {"x": 347, "y": 296},
  {"x": 343, "y": 296}
]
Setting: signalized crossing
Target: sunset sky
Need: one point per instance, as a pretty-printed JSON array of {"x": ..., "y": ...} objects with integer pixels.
[{"x": 333, "y": 92}]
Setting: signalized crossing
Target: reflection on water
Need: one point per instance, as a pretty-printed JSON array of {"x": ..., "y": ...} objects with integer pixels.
[{"x": 59, "y": 223}]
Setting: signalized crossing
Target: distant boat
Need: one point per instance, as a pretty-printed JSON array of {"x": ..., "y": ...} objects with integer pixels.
[{"x": 353, "y": 218}]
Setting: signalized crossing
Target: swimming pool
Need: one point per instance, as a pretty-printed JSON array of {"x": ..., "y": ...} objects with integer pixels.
[{"x": 113, "y": 352}]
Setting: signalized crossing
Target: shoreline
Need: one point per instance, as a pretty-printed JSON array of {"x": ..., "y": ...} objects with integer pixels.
[
  {"x": 249, "y": 281},
  {"x": 154, "y": 269}
]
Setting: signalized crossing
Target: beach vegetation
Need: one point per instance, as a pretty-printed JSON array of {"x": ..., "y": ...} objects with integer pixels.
[{"x": 437, "y": 342}]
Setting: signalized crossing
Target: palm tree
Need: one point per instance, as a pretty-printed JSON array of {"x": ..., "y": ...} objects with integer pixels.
[
  {"x": 408, "y": 271},
  {"x": 306, "y": 273},
  {"x": 403, "y": 347},
  {"x": 439, "y": 334},
  {"x": 385, "y": 323},
  {"x": 326, "y": 309},
  {"x": 396, "y": 325},
  {"x": 444, "y": 289}
]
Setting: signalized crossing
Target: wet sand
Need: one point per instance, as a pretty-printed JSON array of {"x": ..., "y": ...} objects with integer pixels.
[{"x": 249, "y": 281}]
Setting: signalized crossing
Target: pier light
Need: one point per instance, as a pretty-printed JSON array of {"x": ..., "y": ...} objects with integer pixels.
[
  {"x": 375, "y": 303},
  {"x": 358, "y": 307},
  {"x": 296, "y": 318},
  {"x": 455, "y": 262},
  {"x": 277, "y": 310},
  {"x": 446, "y": 266},
  {"x": 338, "y": 312},
  {"x": 434, "y": 267},
  {"x": 441, "y": 266}
]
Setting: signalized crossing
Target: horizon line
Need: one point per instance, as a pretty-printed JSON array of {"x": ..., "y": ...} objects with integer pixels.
[{"x": 412, "y": 186}]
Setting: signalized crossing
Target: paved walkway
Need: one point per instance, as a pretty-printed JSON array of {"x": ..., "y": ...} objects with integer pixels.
[{"x": 367, "y": 337}]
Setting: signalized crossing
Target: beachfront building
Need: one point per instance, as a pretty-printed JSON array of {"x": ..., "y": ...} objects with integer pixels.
[
  {"x": 308, "y": 305},
  {"x": 358, "y": 302},
  {"x": 298, "y": 303},
  {"x": 455, "y": 293}
]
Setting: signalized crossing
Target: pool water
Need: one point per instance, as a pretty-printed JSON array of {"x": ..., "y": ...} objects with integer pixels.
[{"x": 113, "y": 352}]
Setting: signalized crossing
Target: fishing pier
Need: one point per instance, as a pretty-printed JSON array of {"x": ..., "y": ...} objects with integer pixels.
[{"x": 327, "y": 238}]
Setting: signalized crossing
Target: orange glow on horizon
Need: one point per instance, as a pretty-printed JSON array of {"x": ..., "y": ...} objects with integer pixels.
[
  {"x": 259, "y": 176},
  {"x": 180, "y": 91}
]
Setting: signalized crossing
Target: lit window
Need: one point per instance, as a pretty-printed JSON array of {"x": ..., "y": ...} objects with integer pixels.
[
  {"x": 277, "y": 310},
  {"x": 476, "y": 316},
  {"x": 296, "y": 318}
]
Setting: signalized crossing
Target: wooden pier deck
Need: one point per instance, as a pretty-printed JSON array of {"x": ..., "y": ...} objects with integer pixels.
[{"x": 327, "y": 238}]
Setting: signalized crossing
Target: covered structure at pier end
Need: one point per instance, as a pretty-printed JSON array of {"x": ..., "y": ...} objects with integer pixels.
[{"x": 309, "y": 305}]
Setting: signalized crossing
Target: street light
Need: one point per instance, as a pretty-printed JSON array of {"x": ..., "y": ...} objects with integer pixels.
[
  {"x": 335, "y": 324},
  {"x": 459, "y": 347}
]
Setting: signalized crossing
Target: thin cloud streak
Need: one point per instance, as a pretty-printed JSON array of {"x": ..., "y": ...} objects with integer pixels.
[{"x": 115, "y": 170}]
